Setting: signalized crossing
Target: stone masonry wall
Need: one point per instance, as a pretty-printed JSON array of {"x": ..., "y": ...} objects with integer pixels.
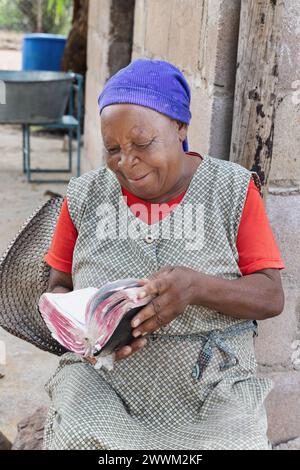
[
  {"x": 200, "y": 38},
  {"x": 278, "y": 345}
]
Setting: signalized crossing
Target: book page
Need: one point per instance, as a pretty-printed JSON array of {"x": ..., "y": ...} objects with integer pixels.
[{"x": 73, "y": 304}]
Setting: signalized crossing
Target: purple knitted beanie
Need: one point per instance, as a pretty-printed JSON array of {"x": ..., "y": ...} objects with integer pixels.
[{"x": 155, "y": 84}]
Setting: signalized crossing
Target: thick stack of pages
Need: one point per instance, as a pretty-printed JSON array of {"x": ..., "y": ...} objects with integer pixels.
[{"x": 93, "y": 321}]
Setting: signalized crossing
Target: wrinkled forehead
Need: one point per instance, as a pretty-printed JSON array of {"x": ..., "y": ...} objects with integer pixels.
[{"x": 133, "y": 121}]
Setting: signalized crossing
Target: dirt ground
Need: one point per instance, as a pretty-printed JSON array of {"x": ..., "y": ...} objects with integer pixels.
[
  {"x": 27, "y": 368},
  {"x": 10, "y": 50}
]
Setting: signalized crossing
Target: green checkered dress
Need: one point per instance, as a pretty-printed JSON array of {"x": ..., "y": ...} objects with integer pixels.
[{"x": 194, "y": 385}]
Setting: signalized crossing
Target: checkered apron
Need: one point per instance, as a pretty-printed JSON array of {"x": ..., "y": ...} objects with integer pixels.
[{"x": 194, "y": 385}]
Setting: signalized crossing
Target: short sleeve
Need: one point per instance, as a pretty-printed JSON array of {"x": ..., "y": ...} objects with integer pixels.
[
  {"x": 60, "y": 253},
  {"x": 256, "y": 244}
]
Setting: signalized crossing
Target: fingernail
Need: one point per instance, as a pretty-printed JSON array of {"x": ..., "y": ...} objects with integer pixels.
[
  {"x": 142, "y": 294},
  {"x": 136, "y": 322},
  {"x": 136, "y": 333}
]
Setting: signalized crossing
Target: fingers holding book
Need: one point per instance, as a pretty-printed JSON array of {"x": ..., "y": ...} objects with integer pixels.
[
  {"x": 90, "y": 360},
  {"x": 122, "y": 353},
  {"x": 171, "y": 292}
]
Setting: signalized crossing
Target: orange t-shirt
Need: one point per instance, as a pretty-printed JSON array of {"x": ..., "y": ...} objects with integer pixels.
[{"x": 256, "y": 245}]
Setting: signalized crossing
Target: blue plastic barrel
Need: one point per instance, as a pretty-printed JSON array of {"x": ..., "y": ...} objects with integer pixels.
[{"x": 43, "y": 51}]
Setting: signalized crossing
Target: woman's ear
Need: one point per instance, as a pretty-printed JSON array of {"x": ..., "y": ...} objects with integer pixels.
[{"x": 182, "y": 128}]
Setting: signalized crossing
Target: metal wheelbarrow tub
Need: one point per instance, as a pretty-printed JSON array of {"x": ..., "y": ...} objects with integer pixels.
[{"x": 33, "y": 97}]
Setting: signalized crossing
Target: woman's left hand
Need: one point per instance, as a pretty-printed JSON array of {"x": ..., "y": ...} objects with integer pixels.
[{"x": 172, "y": 288}]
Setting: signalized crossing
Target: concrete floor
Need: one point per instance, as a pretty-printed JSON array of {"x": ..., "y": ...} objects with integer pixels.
[
  {"x": 27, "y": 368},
  {"x": 10, "y": 50}
]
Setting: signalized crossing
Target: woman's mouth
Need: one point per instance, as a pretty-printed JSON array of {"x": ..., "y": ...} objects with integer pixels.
[{"x": 138, "y": 178}]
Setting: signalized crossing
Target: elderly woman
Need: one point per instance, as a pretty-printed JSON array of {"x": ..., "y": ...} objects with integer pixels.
[{"x": 188, "y": 380}]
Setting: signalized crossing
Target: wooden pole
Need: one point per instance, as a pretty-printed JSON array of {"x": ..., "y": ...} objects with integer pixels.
[
  {"x": 255, "y": 98},
  {"x": 39, "y": 26}
]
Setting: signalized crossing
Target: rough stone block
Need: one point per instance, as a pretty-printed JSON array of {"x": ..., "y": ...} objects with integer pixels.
[
  {"x": 293, "y": 444},
  {"x": 157, "y": 26},
  {"x": 139, "y": 25},
  {"x": 226, "y": 48},
  {"x": 285, "y": 160},
  {"x": 220, "y": 137},
  {"x": 284, "y": 215},
  {"x": 289, "y": 57},
  {"x": 201, "y": 105},
  {"x": 273, "y": 345},
  {"x": 31, "y": 431},
  {"x": 283, "y": 407},
  {"x": 184, "y": 34},
  {"x": 285, "y": 163}
]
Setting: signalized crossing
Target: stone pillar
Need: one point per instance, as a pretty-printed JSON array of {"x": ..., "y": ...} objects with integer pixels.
[
  {"x": 110, "y": 29},
  {"x": 200, "y": 38}
]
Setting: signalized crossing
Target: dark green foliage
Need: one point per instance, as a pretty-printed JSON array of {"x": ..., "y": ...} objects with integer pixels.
[{"x": 21, "y": 15}]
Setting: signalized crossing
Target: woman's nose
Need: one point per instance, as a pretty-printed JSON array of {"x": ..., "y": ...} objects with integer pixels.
[{"x": 126, "y": 161}]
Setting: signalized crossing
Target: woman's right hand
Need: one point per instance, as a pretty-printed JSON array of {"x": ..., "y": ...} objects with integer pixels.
[
  {"x": 123, "y": 352},
  {"x": 90, "y": 359}
]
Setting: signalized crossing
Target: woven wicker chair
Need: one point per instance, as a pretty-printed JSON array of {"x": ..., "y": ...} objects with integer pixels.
[{"x": 24, "y": 277}]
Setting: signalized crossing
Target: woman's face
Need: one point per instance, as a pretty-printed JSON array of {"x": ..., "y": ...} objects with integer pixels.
[{"x": 144, "y": 149}]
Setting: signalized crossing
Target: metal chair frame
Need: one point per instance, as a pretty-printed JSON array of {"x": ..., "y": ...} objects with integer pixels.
[{"x": 68, "y": 122}]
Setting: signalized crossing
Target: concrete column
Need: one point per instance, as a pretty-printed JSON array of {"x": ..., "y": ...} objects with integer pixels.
[{"x": 110, "y": 29}]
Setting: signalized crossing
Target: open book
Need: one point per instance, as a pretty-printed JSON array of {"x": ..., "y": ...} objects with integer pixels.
[{"x": 94, "y": 321}]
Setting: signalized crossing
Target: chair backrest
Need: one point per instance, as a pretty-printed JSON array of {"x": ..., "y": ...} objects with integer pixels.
[
  {"x": 76, "y": 91},
  {"x": 24, "y": 277}
]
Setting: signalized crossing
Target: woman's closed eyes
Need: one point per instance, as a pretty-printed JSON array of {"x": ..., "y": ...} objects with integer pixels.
[{"x": 114, "y": 150}]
